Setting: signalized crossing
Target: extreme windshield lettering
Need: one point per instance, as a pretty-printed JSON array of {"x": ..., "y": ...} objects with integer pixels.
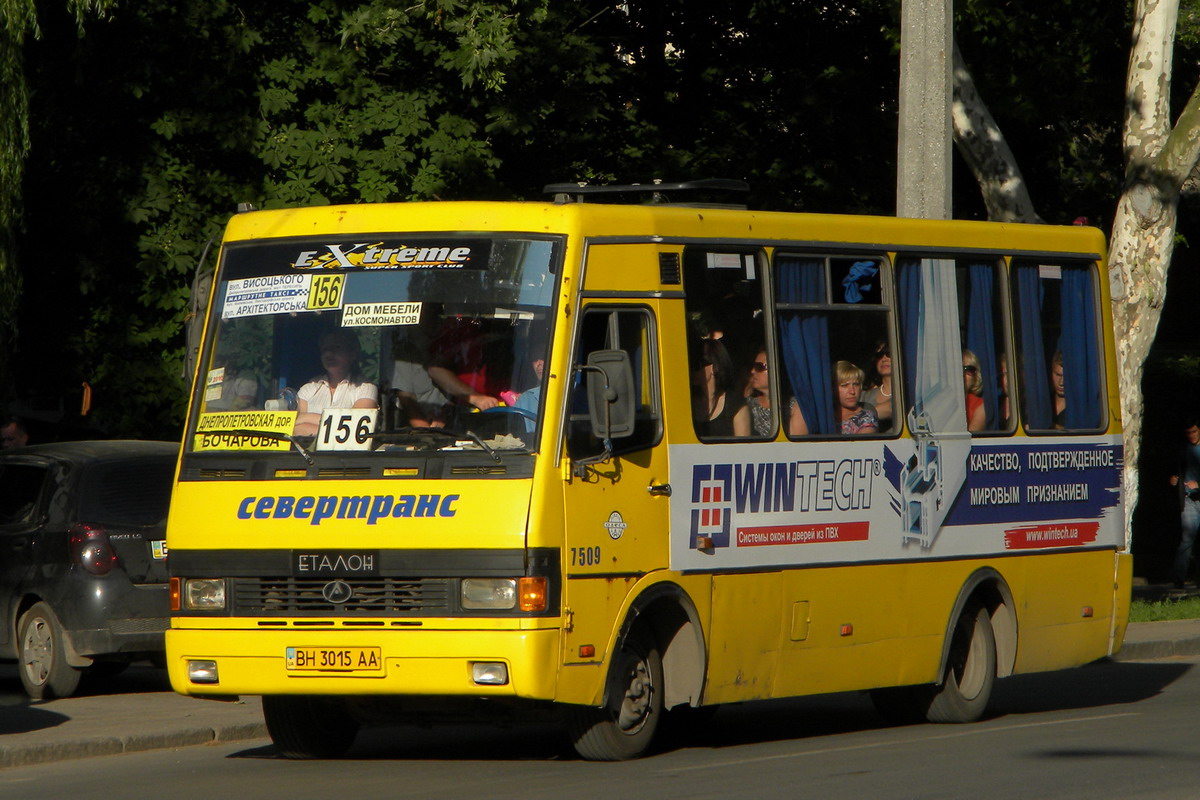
[{"x": 382, "y": 255}]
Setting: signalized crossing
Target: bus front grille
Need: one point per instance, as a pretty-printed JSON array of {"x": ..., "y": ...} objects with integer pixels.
[{"x": 367, "y": 596}]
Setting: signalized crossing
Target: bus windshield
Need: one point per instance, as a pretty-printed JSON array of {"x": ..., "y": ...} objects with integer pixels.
[{"x": 384, "y": 343}]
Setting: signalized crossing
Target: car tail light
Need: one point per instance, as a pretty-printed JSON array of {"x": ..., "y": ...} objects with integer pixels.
[{"x": 91, "y": 550}]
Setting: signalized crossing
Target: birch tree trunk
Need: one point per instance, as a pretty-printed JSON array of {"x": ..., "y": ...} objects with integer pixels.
[
  {"x": 1159, "y": 159},
  {"x": 982, "y": 145}
]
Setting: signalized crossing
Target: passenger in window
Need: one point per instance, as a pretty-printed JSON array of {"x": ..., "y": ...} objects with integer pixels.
[
  {"x": 973, "y": 384},
  {"x": 342, "y": 385},
  {"x": 852, "y": 414},
  {"x": 713, "y": 407},
  {"x": 1058, "y": 387},
  {"x": 755, "y": 417},
  {"x": 879, "y": 385},
  {"x": 420, "y": 402}
]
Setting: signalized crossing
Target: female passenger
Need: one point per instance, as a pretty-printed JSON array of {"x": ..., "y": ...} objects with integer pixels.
[
  {"x": 342, "y": 385},
  {"x": 879, "y": 391},
  {"x": 713, "y": 407},
  {"x": 755, "y": 417},
  {"x": 973, "y": 384},
  {"x": 853, "y": 416}
]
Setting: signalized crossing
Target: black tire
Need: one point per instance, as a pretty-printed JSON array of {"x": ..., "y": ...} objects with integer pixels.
[
  {"x": 625, "y": 726},
  {"x": 970, "y": 674},
  {"x": 304, "y": 727},
  {"x": 42, "y": 655}
]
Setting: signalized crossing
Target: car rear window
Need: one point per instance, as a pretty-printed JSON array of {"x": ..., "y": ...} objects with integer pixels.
[
  {"x": 127, "y": 492},
  {"x": 20, "y": 487}
]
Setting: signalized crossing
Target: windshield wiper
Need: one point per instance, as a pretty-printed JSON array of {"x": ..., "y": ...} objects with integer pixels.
[
  {"x": 277, "y": 436},
  {"x": 452, "y": 435},
  {"x": 474, "y": 437}
]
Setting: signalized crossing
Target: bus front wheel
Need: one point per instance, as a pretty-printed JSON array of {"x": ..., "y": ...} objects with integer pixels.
[
  {"x": 304, "y": 727},
  {"x": 624, "y": 726}
]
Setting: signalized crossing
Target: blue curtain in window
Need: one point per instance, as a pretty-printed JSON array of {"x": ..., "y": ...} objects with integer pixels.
[
  {"x": 1080, "y": 350},
  {"x": 1035, "y": 379},
  {"x": 805, "y": 341},
  {"x": 981, "y": 337},
  {"x": 908, "y": 288}
]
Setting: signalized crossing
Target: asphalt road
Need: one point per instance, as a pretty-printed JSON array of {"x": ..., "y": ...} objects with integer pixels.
[{"x": 1109, "y": 730}]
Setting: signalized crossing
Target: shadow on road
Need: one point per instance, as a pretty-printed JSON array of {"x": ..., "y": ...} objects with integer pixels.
[
  {"x": 1094, "y": 686},
  {"x": 18, "y": 714}
]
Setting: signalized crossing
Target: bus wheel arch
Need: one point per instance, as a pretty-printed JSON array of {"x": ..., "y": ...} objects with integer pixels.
[
  {"x": 987, "y": 588},
  {"x": 979, "y": 646},
  {"x": 667, "y": 611},
  {"x": 657, "y": 663}
]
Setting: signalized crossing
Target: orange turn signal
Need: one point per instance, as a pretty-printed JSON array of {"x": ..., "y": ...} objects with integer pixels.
[
  {"x": 532, "y": 594},
  {"x": 174, "y": 594}
]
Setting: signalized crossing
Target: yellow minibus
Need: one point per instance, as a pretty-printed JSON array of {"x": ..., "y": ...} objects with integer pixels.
[{"x": 614, "y": 461}]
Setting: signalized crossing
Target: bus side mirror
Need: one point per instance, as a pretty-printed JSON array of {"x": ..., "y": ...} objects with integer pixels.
[{"x": 610, "y": 394}]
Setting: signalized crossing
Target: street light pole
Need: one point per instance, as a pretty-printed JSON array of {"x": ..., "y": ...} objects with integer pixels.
[{"x": 925, "y": 134}]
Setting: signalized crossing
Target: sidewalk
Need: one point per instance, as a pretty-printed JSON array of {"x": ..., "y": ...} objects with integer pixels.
[
  {"x": 139, "y": 712},
  {"x": 142, "y": 713}
]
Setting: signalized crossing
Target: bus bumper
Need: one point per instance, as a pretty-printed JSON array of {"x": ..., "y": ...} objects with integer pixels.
[{"x": 425, "y": 662}]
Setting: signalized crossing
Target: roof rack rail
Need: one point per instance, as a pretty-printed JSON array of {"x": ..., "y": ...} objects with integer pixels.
[{"x": 657, "y": 192}]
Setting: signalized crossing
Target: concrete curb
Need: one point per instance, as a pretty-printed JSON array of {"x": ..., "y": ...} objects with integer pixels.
[
  {"x": 1162, "y": 648},
  {"x": 23, "y": 755}
]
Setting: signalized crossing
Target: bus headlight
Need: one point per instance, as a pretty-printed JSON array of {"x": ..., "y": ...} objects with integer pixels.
[
  {"x": 204, "y": 594},
  {"x": 489, "y": 593}
]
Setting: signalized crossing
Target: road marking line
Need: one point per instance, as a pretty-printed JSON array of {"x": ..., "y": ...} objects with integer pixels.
[{"x": 849, "y": 748}]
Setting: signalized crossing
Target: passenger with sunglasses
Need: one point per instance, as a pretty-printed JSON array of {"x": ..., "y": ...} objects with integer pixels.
[
  {"x": 879, "y": 389},
  {"x": 973, "y": 383},
  {"x": 755, "y": 418}
]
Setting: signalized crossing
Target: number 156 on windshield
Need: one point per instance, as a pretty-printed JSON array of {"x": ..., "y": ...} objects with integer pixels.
[{"x": 346, "y": 428}]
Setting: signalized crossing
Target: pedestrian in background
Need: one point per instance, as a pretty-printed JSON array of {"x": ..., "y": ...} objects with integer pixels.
[
  {"x": 1187, "y": 480},
  {"x": 13, "y": 433}
]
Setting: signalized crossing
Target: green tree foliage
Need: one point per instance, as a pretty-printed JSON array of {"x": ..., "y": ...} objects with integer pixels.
[
  {"x": 147, "y": 132},
  {"x": 18, "y": 21}
]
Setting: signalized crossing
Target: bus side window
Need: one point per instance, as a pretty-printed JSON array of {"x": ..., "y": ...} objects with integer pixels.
[
  {"x": 728, "y": 356},
  {"x": 834, "y": 346},
  {"x": 1058, "y": 345},
  {"x": 982, "y": 336},
  {"x": 631, "y": 330}
]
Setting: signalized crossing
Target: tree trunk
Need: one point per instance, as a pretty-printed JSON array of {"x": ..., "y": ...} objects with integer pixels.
[
  {"x": 1159, "y": 160},
  {"x": 983, "y": 146}
]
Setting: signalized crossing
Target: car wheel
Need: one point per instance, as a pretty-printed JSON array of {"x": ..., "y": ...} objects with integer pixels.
[{"x": 42, "y": 655}]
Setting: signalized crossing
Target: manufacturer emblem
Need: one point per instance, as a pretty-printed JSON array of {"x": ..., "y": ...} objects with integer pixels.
[
  {"x": 615, "y": 525},
  {"x": 337, "y": 592}
]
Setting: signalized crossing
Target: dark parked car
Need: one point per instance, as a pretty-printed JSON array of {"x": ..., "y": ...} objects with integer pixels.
[{"x": 83, "y": 570}]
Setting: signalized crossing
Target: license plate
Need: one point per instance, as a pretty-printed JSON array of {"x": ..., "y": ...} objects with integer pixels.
[{"x": 334, "y": 659}]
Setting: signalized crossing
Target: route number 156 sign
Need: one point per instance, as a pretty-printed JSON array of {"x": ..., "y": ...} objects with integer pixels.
[{"x": 346, "y": 428}]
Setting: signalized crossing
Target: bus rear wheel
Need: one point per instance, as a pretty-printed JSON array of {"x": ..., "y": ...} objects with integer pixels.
[
  {"x": 625, "y": 725},
  {"x": 303, "y": 727},
  {"x": 970, "y": 670},
  {"x": 966, "y": 686}
]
